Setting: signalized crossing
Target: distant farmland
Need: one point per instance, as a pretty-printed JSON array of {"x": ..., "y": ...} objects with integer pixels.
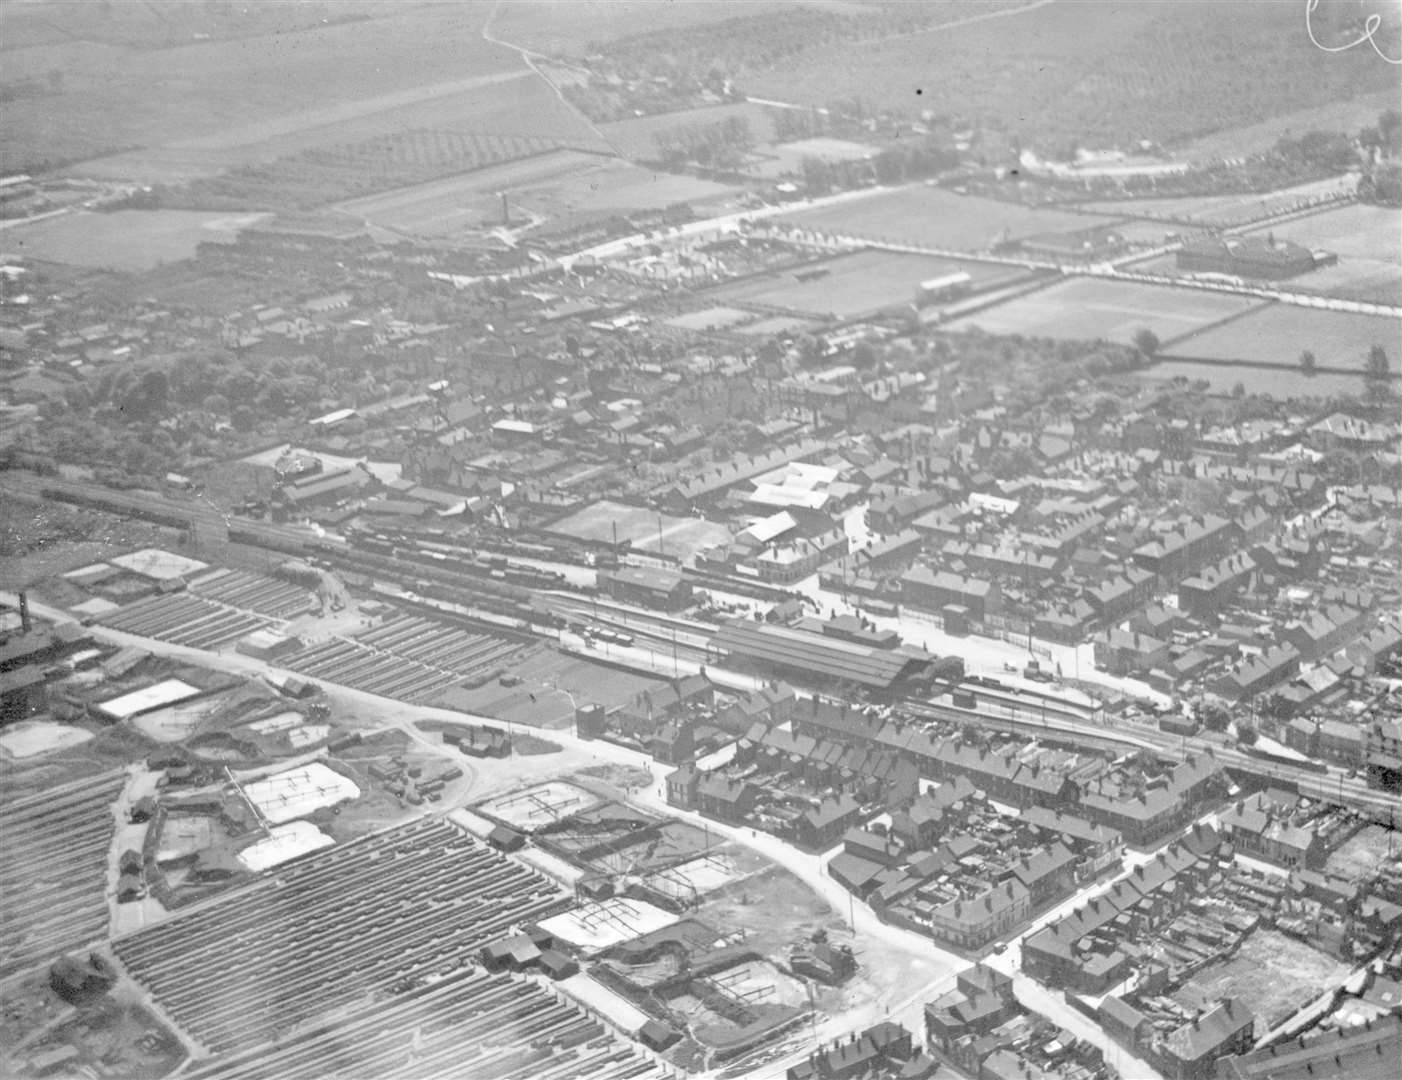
[
  {"x": 856, "y": 284},
  {"x": 550, "y": 185},
  {"x": 1174, "y": 70},
  {"x": 1085, "y": 309},
  {"x": 924, "y": 215},
  {"x": 194, "y": 109}
]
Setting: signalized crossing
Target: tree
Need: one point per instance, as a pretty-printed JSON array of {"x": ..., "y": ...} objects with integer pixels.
[
  {"x": 1213, "y": 716},
  {"x": 1307, "y": 362},
  {"x": 1377, "y": 373},
  {"x": 1147, "y": 342}
]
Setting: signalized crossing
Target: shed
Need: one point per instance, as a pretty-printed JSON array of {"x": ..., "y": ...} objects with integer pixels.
[
  {"x": 557, "y": 965},
  {"x": 506, "y": 839},
  {"x": 656, "y": 1035}
]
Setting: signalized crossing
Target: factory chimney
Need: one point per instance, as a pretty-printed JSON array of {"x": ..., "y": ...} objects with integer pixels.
[{"x": 24, "y": 623}]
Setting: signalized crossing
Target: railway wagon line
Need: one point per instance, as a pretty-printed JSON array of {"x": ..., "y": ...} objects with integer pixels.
[
  {"x": 62, "y": 839},
  {"x": 253, "y": 592},
  {"x": 333, "y": 930},
  {"x": 184, "y": 620},
  {"x": 450, "y": 1026}
]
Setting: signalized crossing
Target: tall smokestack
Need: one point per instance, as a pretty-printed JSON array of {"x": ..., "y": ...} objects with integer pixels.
[{"x": 24, "y": 612}]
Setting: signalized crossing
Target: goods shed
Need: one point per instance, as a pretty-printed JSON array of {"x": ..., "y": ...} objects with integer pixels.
[{"x": 821, "y": 660}]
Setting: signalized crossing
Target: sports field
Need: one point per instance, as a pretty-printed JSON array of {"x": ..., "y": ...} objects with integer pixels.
[
  {"x": 548, "y": 185},
  {"x": 1366, "y": 240},
  {"x": 1279, "y": 333},
  {"x": 714, "y": 318},
  {"x": 932, "y": 217},
  {"x": 647, "y": 529},
  {"x": 124, "y": 239},
  {"x": 856, "y": 284},
  {"x": 1083, "y": 309}
]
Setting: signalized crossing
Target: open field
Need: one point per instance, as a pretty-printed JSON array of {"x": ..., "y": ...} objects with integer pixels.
[
  {"x": 1278, "y": 333},
  {"x": 787, "y": 158},
  {"x": 31, "y": 738},
  {"x": 637, "y": 138},
  {"x": 923, "y": 215},
  {"x": 575, "y": 27},
  {"x": 511, "y": 104},
  {"x": 1174, "y": 69},
  {"x": 1279, "y": 383},
  {"x": 1224, "y": 211},
  {"x": 1084, "y": 309},
  {"x": 1348, "y": 116},
  {"x": 550, "y": 185},
  {"x": 54, "y": 894},
  {"x": 1272, "y": 975},
  {"x": 124, "y": 239},
  {"x": 232, "y": 93},
  {"x": 1365, "y": 238},
  {"x": 857, "y": 284},
  {"x": 645, "y": 529}
]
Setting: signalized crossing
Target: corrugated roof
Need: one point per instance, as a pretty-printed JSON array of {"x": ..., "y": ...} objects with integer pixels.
[{"x": 812, "y": 652}]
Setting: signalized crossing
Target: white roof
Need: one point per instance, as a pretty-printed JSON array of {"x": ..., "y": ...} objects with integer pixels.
[
  {"x": 766, "y": 529},
  {"x": 333, "y": 417},
  {"x": 148, "y": 698}
]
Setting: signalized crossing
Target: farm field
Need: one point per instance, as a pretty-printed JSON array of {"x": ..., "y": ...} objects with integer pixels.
[
  {"x": 1272, "y": 975},
  {"x": 576, "y": 27},
  {"x": 124, "y": 239},
  {"x": 1044, "y": 73},
  {"x": 929, "y": 216},
  {"x": 1365, "y": 238},
  {"x": 646, "y": 529},
  {"x": 1225, "y": 211},
  {"x": 550, "y": 185},
  {"x": 60, "y": 838},
  {"x": 1083, "y": 309},
  {"x": 857, "y": 284},
  {"x": 1279, "y": 333},
  {"x": 114, "y": 98},
  {"x": 514, "y": 104}
]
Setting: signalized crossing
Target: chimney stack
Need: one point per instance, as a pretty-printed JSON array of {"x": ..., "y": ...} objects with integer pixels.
[{"x": 24, "y": 622}]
